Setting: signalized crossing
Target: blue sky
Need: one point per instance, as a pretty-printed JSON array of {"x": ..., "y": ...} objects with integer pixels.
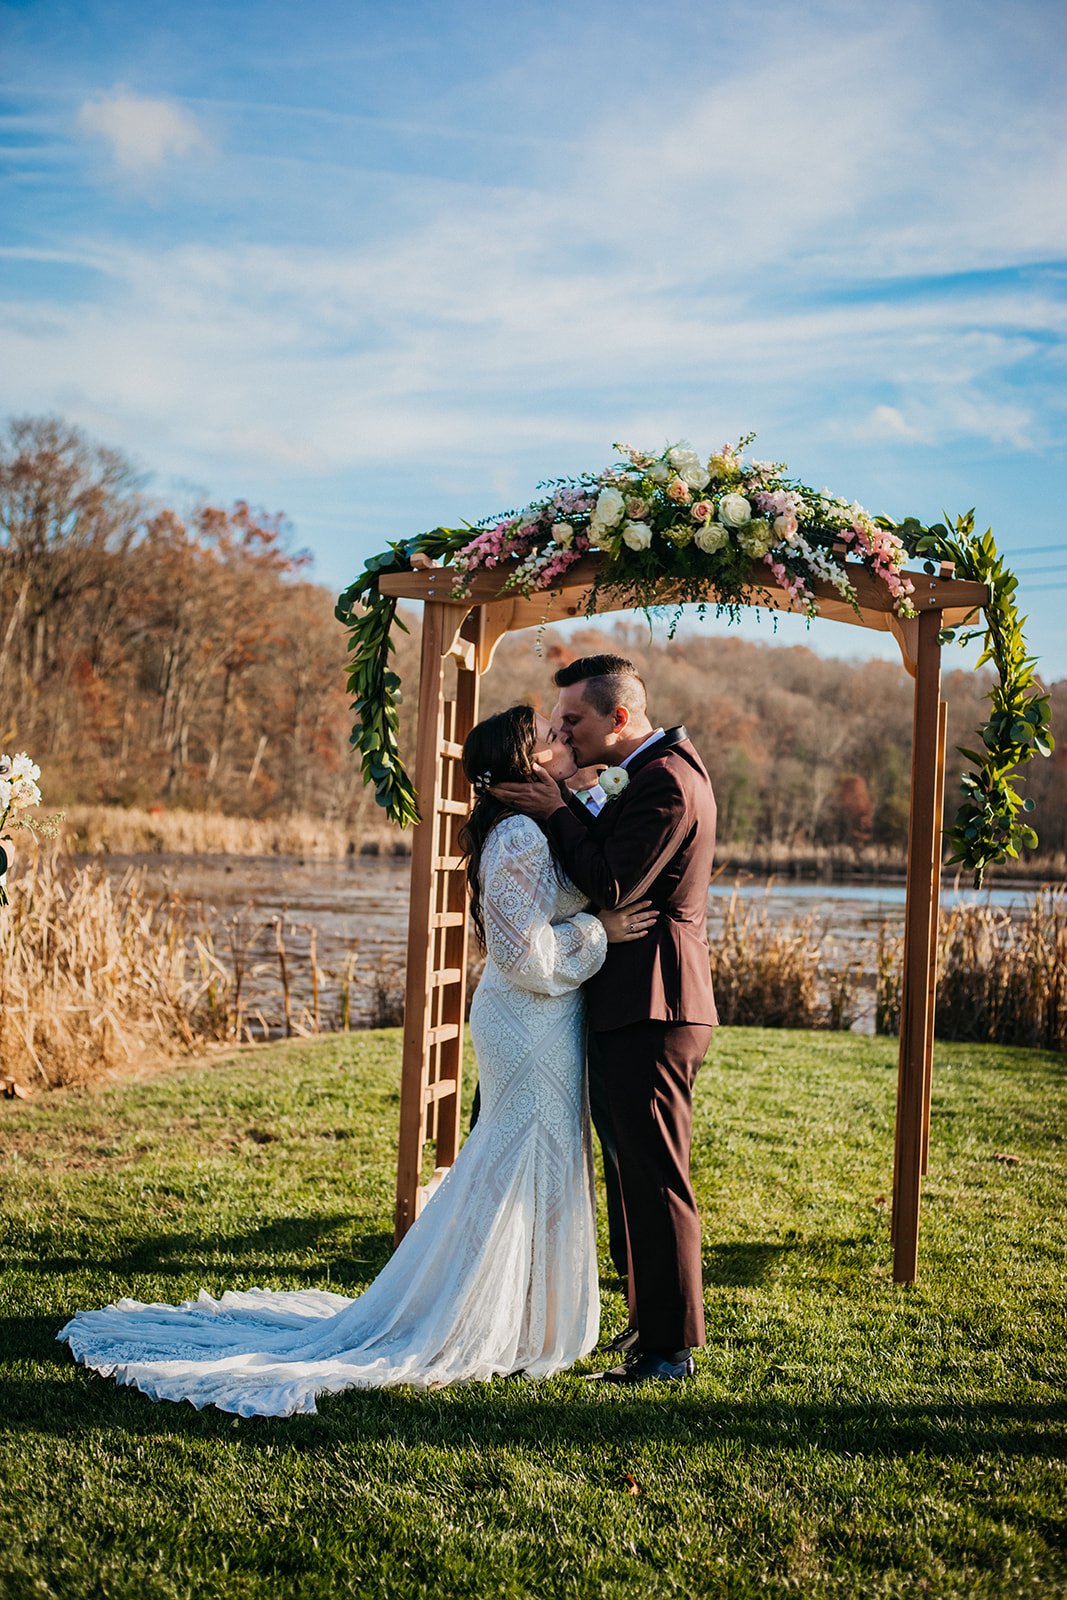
[{"x": 385, "y": 265}]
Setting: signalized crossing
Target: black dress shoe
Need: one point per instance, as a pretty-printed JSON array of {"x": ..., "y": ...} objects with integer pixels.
[
  {"x": 649, "y": 1369},
  {"x": 624, "y": 1344}
]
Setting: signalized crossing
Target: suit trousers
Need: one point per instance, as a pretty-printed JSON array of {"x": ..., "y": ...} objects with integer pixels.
[{"x": 650, "y": 1068}]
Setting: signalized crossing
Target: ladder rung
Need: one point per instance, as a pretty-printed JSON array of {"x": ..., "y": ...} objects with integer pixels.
[
  {"x": 442, "y": 1033},
  {"x": 453, "y": 808},
  {"x": 447, "y": 919},
  {"x": 448, "y": 863},
  {"x": 449, "y": 748},
  {"x": 446, "y": 977},
  {"x": 438, "y": 1091}
]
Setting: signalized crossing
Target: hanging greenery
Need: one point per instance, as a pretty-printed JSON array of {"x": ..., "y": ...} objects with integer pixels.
[
  {"x": 702, "y": 524},
  {"x": 990, "y": 824}
]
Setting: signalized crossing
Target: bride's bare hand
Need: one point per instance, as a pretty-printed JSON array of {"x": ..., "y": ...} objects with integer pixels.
[{"x": 632, "y": 922}]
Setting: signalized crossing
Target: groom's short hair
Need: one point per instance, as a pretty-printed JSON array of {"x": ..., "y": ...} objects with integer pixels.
[{"x": 609, "y": 681}]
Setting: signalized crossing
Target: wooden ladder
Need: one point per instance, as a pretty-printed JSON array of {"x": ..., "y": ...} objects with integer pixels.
[{"x": 432, "y": 1074}]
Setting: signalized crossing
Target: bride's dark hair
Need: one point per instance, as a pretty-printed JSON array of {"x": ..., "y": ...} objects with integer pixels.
[{"x": 498, "y": 750}]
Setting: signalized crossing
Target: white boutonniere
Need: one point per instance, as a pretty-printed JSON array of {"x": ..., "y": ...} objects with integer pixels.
[{"x": 613, "y": 781}]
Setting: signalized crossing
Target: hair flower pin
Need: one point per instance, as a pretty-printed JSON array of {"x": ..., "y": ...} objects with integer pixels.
[
  {"x": 482, "y": 782},
  {"x": 613, "y": 781}
]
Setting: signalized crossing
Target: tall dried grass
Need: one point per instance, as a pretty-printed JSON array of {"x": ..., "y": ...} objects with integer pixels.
[
  {"x": 117, "y": 830},
  {"x": 97, "y": 976},
  {"x": 781, "y": 974},
  {"x": 1001, "y": 980},
  {"x": 94, "y": 976}
]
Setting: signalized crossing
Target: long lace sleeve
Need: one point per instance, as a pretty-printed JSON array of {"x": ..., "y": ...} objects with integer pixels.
[{"x": 519, "y": 892}]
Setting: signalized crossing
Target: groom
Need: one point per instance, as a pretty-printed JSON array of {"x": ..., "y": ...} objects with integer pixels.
[{"x": 651, "y": 1009}]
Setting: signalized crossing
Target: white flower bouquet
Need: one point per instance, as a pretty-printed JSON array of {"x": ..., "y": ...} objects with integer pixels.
[{"x": 18, "y": 792}]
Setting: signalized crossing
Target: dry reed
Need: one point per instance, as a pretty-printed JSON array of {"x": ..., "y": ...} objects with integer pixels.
[
  {"x": 780, "y": 974},
  {"x": 117, "y": 830},
  {"x": 97, "y": 976},
  {"x": 94, "y": 977},
  {"x": 1001, "y": 980}
]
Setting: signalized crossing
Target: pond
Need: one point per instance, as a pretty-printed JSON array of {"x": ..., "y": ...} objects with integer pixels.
[{"x": 352, "y": 913}]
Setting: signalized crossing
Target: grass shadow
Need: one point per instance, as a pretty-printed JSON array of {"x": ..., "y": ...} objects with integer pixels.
[
  {"x": 575, "y": 1414},
  {"x": 739, "y": 1266},
  {"x": 273, "y": 1247}
]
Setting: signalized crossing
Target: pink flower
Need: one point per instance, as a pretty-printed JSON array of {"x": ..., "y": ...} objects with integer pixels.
[
  {"x": 678, "y": 491},
  {"x": 703, "y": 511}
]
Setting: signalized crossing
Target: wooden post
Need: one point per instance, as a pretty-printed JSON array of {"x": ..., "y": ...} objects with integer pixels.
[
  {"x": 935, "y": 905},
  {"x": 923, "y": 893},
  {"x": 456, "y": 797},
  {"x": 435, "y": 988},
  {"x": 423, "y": 854}
]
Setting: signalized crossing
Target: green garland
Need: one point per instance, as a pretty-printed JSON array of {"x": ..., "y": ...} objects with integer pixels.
[
  {"x": 989, "y": 825},
  {"x": 370, "y": 617}
]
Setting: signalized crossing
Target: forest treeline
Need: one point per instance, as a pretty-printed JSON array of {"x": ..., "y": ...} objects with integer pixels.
[{"x": 154, "y": 657}]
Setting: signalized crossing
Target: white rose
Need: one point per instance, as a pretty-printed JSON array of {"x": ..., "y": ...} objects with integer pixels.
[
  {"x": 755, "y": 538},
  {"x": 659, "y": 472},
  {"x": 689, "y": 467},
  {"x": 638, "y": 535},
  {"x": 563, "y": 533},
  {"x": 610, "y": 507},
  {"x": 734, "y": 510},
  {"x": 613, "y": 781},
  {"x": 710, "y": 536},
  {"x": 599, "y": 536}
]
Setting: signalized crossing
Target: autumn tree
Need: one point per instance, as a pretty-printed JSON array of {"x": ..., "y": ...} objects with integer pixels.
[{"x": 69, "y": 513}]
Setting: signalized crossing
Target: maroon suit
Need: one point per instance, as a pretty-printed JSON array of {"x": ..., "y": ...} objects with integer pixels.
[{"x": 652, "y": 1009}]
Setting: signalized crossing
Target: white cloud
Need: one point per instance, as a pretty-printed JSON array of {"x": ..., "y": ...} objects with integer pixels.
[
  {"x": 735, "y": 257},
  {"x": 141, "y": 133},
  {"x": 886, "y": 422}
]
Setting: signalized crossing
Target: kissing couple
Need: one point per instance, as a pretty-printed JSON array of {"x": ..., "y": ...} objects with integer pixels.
[{"x": 593, "y": 921}]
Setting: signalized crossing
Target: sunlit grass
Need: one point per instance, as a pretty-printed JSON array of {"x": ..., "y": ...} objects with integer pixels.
[{"x": 845, "y": 1436}]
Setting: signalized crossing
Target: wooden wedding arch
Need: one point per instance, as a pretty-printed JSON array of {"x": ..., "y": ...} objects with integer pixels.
[{"x": 467, "y": 631}]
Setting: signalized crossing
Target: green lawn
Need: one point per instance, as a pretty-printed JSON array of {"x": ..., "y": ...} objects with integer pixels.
[{"x": 844, "y": 1437}]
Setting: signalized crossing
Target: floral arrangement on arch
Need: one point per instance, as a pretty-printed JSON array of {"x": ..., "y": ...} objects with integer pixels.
[
  {"x": 707, "y": 525},
  {"x": 697, "y": 520}
]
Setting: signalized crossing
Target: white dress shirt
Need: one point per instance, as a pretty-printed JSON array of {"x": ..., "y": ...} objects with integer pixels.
[{"x": 595, "y": 799}]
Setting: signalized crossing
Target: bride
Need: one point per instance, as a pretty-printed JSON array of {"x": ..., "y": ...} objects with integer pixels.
[{"x": 498, "y": 1275}]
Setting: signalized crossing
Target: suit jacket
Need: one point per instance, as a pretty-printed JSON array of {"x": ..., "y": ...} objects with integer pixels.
[{"x": 655, "y": 841}]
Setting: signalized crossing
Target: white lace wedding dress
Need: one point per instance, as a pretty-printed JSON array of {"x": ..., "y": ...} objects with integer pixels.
[{"x": 498, "y": 1275}]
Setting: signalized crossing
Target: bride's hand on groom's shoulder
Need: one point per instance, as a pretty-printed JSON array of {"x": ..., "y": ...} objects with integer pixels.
[
  {"x": 538, "y": 797},
  {"x": 630, "y": 922}
]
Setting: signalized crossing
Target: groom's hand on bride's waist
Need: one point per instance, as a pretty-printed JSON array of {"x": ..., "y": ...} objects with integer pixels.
[{"x": 538, "y": 797}]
